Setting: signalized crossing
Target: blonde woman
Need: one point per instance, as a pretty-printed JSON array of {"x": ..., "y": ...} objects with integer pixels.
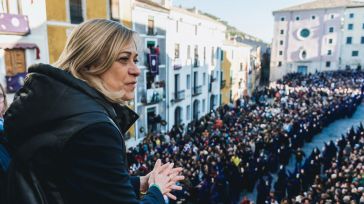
[{"x": 67, "y": 123}]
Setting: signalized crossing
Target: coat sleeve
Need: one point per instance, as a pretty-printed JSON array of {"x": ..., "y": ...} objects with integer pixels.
[{"x": 95, "y": 169}]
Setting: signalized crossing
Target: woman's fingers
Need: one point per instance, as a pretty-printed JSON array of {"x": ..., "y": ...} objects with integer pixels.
[
  {"x": 176, "y": 170},
  {"x": 175, "y": 187},
  {"x": 177, "y": 178},
  {"x": 157, "y": 164},
  {"x": 171, "y": 196}
]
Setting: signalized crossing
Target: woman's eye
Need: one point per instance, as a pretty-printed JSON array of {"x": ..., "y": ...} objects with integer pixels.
[
  {"x": 136, "y": 61},
  {"x": 123, "y": 59}
]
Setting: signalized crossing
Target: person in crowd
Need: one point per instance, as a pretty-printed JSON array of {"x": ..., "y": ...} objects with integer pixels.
[{"x": 66, "y": 124}]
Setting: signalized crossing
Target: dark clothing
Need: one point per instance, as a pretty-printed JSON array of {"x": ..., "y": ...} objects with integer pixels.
[{"x": 83, "y": 156}]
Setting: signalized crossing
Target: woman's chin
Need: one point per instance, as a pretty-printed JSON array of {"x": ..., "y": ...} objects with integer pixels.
[{"x": 128, "y": 97}]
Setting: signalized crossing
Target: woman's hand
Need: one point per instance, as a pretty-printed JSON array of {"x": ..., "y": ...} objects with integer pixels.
[{"x": 165, "y": 176}]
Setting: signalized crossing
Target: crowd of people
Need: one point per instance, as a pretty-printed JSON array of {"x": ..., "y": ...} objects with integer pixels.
[
  {"x": 334, "y": 176},
  {"x": 235, "y": 147}
]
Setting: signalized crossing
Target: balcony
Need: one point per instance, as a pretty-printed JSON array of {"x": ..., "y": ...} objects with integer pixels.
[
  {"x": 223, "y": 84},
  {"x": 197, "y": 90},
  {"x": 213, "y": 79},
  {"x": 14, "y": 24},
  {"x": 178, "y": 96},
  {"x": 152, "y": 96}
]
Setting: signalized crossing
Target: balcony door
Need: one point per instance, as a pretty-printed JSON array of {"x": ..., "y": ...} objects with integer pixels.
[
  {"x": 196, "y": 110},
  {"x": 178, "y": 116}
]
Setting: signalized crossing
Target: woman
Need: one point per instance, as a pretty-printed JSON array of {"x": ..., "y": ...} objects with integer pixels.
[{"x": 67, "y": 123}]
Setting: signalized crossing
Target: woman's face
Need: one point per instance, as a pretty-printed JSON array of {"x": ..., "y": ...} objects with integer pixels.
[{"x": 123, "y": 73}]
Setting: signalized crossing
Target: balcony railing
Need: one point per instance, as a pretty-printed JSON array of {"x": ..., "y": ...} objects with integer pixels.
[
  {"x": 14, "y": 24},
  {"x": 179, "y": 96},
  {"x": 197, "y": 90}
]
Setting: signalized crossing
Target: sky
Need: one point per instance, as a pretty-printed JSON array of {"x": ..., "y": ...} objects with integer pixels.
[{"x": 250, "y": 16}]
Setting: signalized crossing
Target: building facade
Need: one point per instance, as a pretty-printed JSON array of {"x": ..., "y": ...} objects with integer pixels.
[
  {"x": 309, "y": 37},
  {"x": 352, "y": 43},
  {"x": 194, "y": 67},
  {"x": 150, "y": 20},
  {"x": 236, "y": 61},
  {"x": 22, "y": 40}
]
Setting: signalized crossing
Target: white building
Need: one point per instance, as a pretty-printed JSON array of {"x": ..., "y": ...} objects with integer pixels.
[
  {"x": 313, "y": 37},
  {"x": 193, "y": 59},
  {"x": 150, "y": 20},
  {"x": 352, "y": 48},
  {"x": 23, "y": 40}
]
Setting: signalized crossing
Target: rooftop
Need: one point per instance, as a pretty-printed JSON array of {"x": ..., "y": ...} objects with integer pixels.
[{"x": 323, "y": 4}]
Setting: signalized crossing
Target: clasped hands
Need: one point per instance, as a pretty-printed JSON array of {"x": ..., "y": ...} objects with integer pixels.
[{"x": 164, "y": 176}]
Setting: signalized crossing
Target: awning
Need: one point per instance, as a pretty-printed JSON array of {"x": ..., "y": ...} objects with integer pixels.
[{"x": 21, "y": 46}]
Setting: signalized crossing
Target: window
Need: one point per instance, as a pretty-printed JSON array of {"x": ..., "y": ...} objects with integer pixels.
[
  {"x": 297, "y": 18},
  {"x": 196, "y": 29},
  {"x": 11, "y": 6},
  {"x": 329, "y": 52},
  {"x": 349, "y": 40},
  {"x": 280, "y": 53},
  {"x": 279, "y": 64},
  {"x": 362, "y": 26},
  {"x": 281, "y": 42},
  {"x": 355, "y": 53},
  {"x": 282, "y": 19},
  {"x": 176, "y": 26},
  {"x": 203, "y": 105},
  {"x": 350, "y": 26},
  {"x": 212, "y": 55},
  {"x": 332, "y": 16},
  {"x": 76, "y": 11},
  {"x": 195, "y": 57},
  {"x": 328, "y": 64},
  {"x": 204, "y": 79},
  {"x": 150, "y": 25},
  {"x": 176, "y": 51},
  {"x": 114, "y": 10},
  {"x": 330, "y": 41},
  {"x": 204, "y": 54},
  {"x": 362, "y": 40},
  {"x": 313, "y": 17},
  {"x": 14, "y": 61},
  {"x": 188, "y": 51},
  {"x": 303, "y": 55},
  {"x": 351, "y": 15},
  {"x": 188, "y": 81},
  {"x": 282, "y": 32},
  {"x": 241, "y": 66},
  {"x": 188, "y": 112},
  {"x": 331, "y": 29},
  {"x": 305, "y": 33}
]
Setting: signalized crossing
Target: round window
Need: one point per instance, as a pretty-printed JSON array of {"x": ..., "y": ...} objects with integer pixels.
[{"x": 305, "y": 33}]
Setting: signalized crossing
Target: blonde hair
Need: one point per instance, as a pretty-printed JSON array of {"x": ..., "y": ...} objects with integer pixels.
[{"x": 91, "y": 49}]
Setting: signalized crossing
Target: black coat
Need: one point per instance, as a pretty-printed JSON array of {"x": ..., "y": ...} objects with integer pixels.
[{"x": 82, "y": 155}]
